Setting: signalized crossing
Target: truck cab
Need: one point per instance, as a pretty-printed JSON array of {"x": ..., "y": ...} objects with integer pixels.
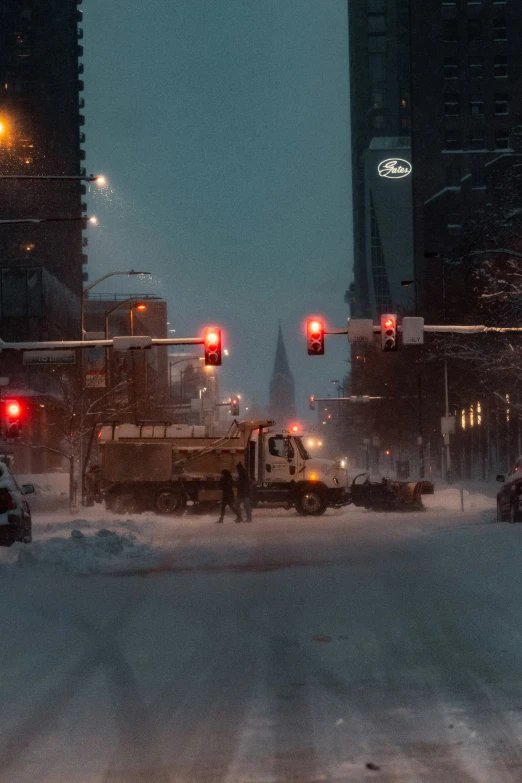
[{"x": 283, "y": 469}]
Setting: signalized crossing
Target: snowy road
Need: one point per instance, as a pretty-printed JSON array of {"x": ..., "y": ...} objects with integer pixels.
[{"x": 354, "y": 647}]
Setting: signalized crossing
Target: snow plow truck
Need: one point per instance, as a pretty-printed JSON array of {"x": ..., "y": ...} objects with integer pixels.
[{"x": 163, "y": 467}]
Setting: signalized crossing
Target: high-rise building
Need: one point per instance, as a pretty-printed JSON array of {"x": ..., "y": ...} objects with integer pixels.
[
  {"x": 40, "y": 134},
  {"x": 282, "y": 387},
  {"x": 436, "y": 111},
  {"x": 435, "y": 99},
  {"x": 41, "y": 265}
]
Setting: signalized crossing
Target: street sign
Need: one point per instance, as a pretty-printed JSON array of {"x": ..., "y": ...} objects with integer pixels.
[
  {"x": 49, "y": 357},
  {"x": 412, "y": 331},
  {"x": 360, "y": 330}
]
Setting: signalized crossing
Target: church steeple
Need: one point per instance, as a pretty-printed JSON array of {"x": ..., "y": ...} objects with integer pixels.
[{"x": 282, "y": 388}]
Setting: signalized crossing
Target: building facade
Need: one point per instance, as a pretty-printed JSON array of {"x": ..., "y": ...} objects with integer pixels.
[
  {"x": 41, "y": 265},
  {"x": 436, "y": 115},
  {"x": 437, "y": 84}
]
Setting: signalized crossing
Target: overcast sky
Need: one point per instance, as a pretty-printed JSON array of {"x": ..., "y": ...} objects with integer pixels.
[{"x": 223, "y": 127}]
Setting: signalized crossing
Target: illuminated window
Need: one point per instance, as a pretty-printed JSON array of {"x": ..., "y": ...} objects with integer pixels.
[
  {"x": 471, "y": 416},
  {"x": 479, "y": 414},
  {"x": 463, "y": 419},
  {"x": 26, "y": 247}
]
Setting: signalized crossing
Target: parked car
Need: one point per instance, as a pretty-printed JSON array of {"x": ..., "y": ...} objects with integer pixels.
[
  {"x": 509, "y": 496},
  {"x": 15, "y": 514}
]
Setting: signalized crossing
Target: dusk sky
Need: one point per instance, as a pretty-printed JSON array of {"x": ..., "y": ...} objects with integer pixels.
[{"x": 223, "y": 128}]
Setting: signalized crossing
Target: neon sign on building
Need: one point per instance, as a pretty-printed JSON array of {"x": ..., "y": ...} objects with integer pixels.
[{"x": 394, "y": 168}]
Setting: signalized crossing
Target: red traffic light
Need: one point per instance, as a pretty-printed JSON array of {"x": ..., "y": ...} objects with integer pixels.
[
  {"x": 212, "y": 343},
  {"x": 12, "y": 412},
  {"x": 389, "y": 332},
  {"x": 315, "y": 336},
  {"x": 13, "y": 409}
]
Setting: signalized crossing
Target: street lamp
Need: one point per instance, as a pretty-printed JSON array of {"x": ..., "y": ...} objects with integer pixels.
[
  {"x": 141, "y": 306},
  {"x": 100, "y": 179},
  {"x": 12, "y": 221}
]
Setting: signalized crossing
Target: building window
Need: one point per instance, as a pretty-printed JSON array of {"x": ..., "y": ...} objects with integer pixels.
[
  {"x": 477, "y": 139},
  {"x": 377, "y": 70},
  {"x": 499, "y": 29},
  {"x": 501, "y": 104},
  {"x": 376, "y": 23},
  {"x": 451, "y": 68},
  {"x": 450, "y": 31},
  {"x": 25, "y": 247},
  {"x": 452, "y": 140},
  {"x": 475, "y": 67},
  {"x": 376, "y": 43},
  {"x": 378, "y": 121},
  {"x": 454, "y": 220},
  {"x": 378, "y": 99},
  {"x": 452, "y": 105},
  {"x": 500, "y": 66},
  {"x": 502, "y": 140},
  {"x": 477, "y": 106},
  {"x": 474, "y": 29}
]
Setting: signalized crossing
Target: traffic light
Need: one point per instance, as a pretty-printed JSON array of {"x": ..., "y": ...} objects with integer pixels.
[
  {"x": 315, "y": 336},
  {"x": 212, "y": 340},
  {"x": 389, "y": 332},
  {"x": 311, "y": 402},
  {"x": 12, "y": 416},
  {"x": 234, "y": 406}
]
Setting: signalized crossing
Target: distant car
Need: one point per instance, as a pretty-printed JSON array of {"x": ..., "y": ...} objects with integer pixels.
[
  {"x": 509, "y": 496},
  {"x": 15, "y": 514}
]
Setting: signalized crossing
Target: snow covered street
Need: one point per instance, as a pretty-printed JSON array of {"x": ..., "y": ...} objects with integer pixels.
[{"x": 353, "y": 647}]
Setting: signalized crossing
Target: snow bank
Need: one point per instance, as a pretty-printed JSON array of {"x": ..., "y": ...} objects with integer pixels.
[
  {"x": 449, "y": 499},
  {"x": 102, "y": 552}
]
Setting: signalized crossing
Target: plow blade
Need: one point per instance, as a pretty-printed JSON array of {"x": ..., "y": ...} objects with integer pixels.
[{"x": 388, "y": 495}]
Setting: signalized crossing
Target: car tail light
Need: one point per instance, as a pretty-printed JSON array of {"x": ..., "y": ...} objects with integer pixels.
[{"x": 6, "y": 501}]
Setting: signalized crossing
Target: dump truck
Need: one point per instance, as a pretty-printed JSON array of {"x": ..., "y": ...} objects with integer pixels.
[{"x": 164, "y": 467}]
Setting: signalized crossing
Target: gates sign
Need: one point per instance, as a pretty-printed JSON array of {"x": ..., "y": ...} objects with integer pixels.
[{"x": 394, "y": 168}]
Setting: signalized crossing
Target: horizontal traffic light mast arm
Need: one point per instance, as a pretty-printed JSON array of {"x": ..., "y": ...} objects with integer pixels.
[
  {"x": 471, "y": 329},
  {"x": 51, "y": 345},
  {"x": 353, "y": 398},
  {"x": 337, "y": 331}
]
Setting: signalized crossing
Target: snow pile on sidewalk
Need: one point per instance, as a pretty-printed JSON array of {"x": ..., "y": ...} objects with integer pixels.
[
  {"x": 449, "y": 499},
  {"x": 104, "y": 551}
]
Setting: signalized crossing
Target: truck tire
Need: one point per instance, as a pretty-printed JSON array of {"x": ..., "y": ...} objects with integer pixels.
[
  {"x": 123, "y": 501},
  {"x": 169, "y": 501},
  {"x": 310, "y": 502}
]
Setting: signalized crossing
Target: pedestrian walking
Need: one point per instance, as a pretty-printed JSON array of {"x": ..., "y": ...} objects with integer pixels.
[
  {"x": 226, "y": 482},
  {"x": 244, "y": 491}
]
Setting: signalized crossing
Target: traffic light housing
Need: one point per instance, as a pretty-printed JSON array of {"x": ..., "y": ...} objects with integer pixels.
[
  {"x": 315, "y": 336},
  {"x": 311, "y": 402},
  {"x": 12, "y": 419},
  {"x": 234, "y": 406},
  {"x": 212, "y": 342},
  {"x": 389, "y": 332}
]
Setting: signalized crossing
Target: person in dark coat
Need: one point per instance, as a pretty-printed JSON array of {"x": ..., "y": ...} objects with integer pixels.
[
  {"x": 226, "y": 482},
  {"x": 243, "y": 491}
]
